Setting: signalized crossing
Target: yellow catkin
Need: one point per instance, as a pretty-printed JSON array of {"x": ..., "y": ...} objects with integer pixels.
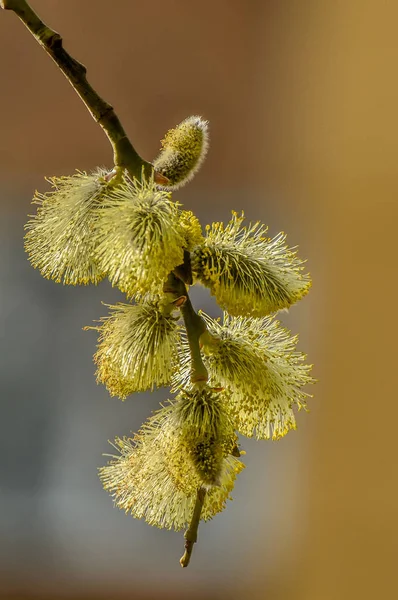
[
  {"x": 248, "y": 273},
  {"x": 155, "y": 479},
  {"x": 139, "y": 240},
  {"x": 60, "y": 238},
  {"x": 183, "y": 151},
  {"x": 137, "y": 350},
  {"x": 256, "y": 362}
]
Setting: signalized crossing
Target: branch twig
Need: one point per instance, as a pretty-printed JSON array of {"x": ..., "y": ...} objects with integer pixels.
[
  {"x": 124, "y": 153},
  {"x": 191, "y": 534},
  {"x": 194, "y": 325}
]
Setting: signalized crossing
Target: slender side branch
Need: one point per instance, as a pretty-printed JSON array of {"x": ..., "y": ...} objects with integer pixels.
[
  {"x": 124, "y": 153},
  {"x": 191, "y": 534}
]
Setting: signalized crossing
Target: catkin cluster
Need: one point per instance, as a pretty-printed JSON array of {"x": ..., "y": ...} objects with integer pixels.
[{"x": 239, "y": 375}]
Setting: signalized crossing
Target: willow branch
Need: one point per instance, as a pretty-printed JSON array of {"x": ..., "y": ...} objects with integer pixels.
[
  {"x": 191, "y": 534},
  {"x": 123, "y": 151}
]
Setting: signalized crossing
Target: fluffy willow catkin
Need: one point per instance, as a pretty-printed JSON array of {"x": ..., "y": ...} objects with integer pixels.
[
  {"x": 262, "y": 373},
  {"x": 138, "y": 348},
  {"x": 249, "y": 274},
  {"x": 60, "y": 238},
  {"x": 184, "y": 149},
  {"x": 206, "y": 430},
  {"x": 155, "y": 478},
  {"x": 139, "y": 240}
]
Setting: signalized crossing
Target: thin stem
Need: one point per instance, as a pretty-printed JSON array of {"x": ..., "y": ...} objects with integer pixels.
[
  {"x": 124, "y": 153},
  {"x": 191, "y": 534},
  {"x": 194, "y": 325}
]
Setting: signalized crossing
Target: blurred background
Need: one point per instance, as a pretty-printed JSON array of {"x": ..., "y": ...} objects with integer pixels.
[{"x": 301, "y": 96}]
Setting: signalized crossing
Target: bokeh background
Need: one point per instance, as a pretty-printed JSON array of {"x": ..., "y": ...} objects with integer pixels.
[{"x": 302, "y": 100}]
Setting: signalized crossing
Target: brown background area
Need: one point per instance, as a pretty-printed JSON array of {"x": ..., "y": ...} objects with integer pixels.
[{"x": 301, "y": 97}]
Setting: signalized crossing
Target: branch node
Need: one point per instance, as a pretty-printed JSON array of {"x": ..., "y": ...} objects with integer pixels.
[{"x": 50, "y": 38}]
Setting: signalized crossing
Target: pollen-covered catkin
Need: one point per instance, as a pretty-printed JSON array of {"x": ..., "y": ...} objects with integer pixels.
[
  {"x": 250, "y": 274},
  {"x": 206, "y": 430},
  {"x": 153, "y": 477},
  {"x": 256, "y": 362},
  {"x": 138, "y": 348},
  {"x": 139, "y": 240},
  {"x": 60, "y": 238}
]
